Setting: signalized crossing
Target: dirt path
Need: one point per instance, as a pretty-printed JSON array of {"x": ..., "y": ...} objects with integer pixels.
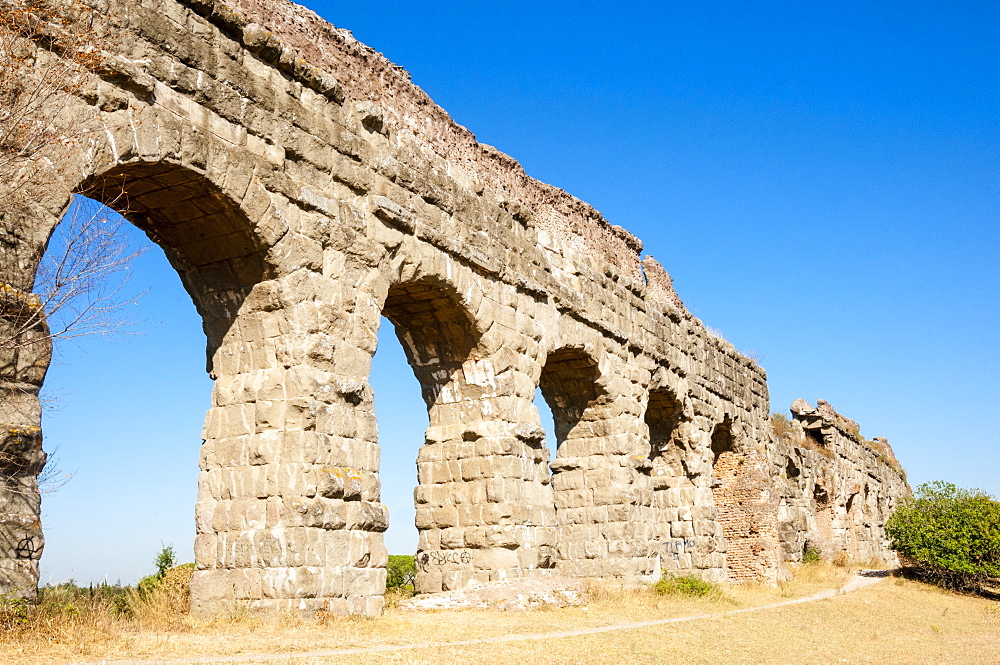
[{"x": 856, "y": 582}]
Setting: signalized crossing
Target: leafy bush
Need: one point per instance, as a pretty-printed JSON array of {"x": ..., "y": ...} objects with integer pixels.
[
  {"x": 689, "y": 585},
  {"x": 950, "y": 534},
  {"x": 400, "y": 571},
  {"x": 811, "y": 554}
]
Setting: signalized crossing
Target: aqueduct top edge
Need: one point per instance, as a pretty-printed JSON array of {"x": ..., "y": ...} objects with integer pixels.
[{"x": 365, "y": 74}]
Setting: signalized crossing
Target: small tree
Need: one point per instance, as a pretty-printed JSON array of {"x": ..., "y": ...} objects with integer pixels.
[
  {"x": 165, "y": 560},
  {"x": 951, "y": 535},
  {"x": 49, "y": 50},
  {"x": 401, "y": 571},
  {"x": 80, "y": 289}
]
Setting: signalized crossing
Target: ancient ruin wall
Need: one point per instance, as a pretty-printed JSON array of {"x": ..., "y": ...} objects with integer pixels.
[
  {"x": 302, "y": 187},
  {"x": 836, "y": 489}
]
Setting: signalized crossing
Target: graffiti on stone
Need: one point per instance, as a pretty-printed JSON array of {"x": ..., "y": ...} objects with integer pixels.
[
  {"x": 26, "y": 549},
  {"x": 674, "y": 548},
  {"x": 425, "y": 560}
]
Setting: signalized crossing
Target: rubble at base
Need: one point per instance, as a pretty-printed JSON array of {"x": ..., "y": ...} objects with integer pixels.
[{"x": 524, "y": 593}]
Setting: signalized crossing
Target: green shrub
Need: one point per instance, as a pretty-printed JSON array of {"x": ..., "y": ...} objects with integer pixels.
[
  {"x": 811, "y": 554},
  {"x": 400, "y": 571},
  {"x": 14, "y": 612},
  {"x": 165, "y": 560},
  {"x": 689, "y": 585},
  {"x": 148, "y": 583},
  {"x": 950, "y": 534}
]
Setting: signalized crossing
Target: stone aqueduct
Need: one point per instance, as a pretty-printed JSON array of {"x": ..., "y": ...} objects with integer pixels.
[{"x": 303, "y": 187}]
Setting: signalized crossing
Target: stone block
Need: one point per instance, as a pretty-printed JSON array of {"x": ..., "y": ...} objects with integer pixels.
[
  {"x": 681, "y": 530},
  {"x": 340, "y": 483}
]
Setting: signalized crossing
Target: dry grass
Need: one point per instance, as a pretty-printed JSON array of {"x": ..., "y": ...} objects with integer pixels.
[
  {"x": 896, "y": 621},
  {"x": 806, "y": 580}
]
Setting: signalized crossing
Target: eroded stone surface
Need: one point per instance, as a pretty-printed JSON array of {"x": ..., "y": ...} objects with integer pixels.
[
  {"x": 302, "y": 187},
  {"x": 835, "y": 488}
]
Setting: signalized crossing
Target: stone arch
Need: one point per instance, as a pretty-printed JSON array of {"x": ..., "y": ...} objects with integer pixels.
[
  {"x": 192, "y": 192},
  {"x": 673, "y": 468},
  {"x": 570, "y": 383},
  {"x": 253, "y": 531},
  {"x": 824, "y": 504},
  {"x": 483, "y": 508},
  {"x": 726, "y": 466},
  {"x": 723, "y": 444},
  {"x": 572, "y": 386},
  {"x": 438, "y": 335},
  {"x": 854, "y": 522},
  {"x": 252, "y": 427},
  {"x": 205, "y": 234}
]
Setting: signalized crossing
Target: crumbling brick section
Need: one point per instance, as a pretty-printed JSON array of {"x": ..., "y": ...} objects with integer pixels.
[{"x": 746, "y": 507}]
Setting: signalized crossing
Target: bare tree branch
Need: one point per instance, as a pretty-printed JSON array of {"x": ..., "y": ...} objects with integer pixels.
[
  {"x": 49, "y": 49},
  {"x": 80, "y": 282}
]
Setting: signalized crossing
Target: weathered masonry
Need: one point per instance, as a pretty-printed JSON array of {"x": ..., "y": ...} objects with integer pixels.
[{"x": 303, "y": 187}]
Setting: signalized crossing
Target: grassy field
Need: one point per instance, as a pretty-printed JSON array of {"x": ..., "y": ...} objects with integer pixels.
[{"x": 895, "y": 621}]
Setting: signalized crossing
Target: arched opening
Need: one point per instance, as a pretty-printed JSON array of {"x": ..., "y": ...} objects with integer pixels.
[
  {"x": 210, "y": 244},
  {"x": 725, "y": 492},
  {"x": 570, "y": 385},
  {"x": 401, "y": 415},
  {"x": 859, "y": 525},
  {"x": 439, "y": 338},
  {"x": 743, "y": 503},
  {"x": 673, "y": 519},
  {"x": 126, "y": 416},
  {"x": 203, "y": 233},
  {"x": 823, "y": 503},
  {"x": 723, "y": 443},
  {"x": 664, "y": 414},
  {"x": 853, "y": 535}
]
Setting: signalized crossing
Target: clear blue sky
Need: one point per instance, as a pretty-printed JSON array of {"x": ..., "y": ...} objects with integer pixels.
[{"x": 821, "y": 179}]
